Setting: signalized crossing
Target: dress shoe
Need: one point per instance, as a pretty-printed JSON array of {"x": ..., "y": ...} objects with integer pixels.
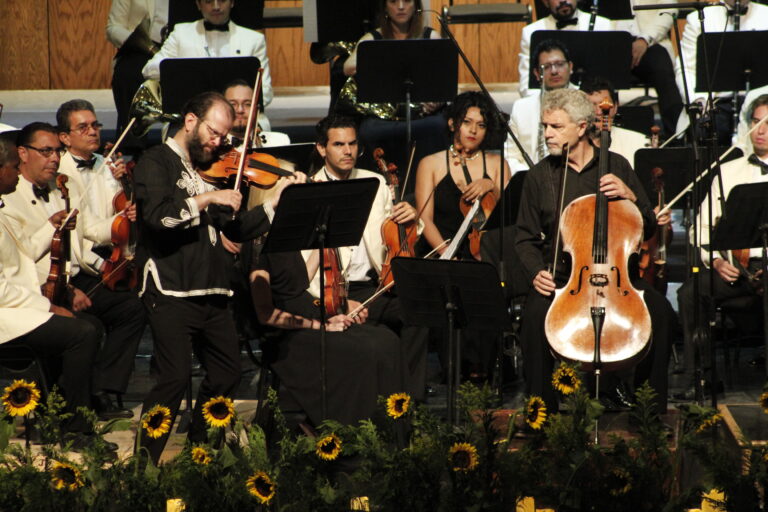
[
  {"x": 106, "y": 410},
  {"x": 81, "y": 442}
]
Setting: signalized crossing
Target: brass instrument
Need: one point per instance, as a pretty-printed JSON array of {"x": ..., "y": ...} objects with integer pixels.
[
  {"x": 146, "y": 108},
  {"x": 322, "y": 53},
  {"x": 140, "y": 41}
]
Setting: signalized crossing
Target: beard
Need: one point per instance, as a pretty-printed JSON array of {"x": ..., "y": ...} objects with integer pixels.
[
  {"x": 563, "y": 11},
  {"x": 199, "y": 155}
]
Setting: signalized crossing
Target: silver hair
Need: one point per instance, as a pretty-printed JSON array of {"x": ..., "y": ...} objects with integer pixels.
[{"x": 574, "y": 103}]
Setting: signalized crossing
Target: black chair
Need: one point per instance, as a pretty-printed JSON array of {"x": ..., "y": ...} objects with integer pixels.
[
  {"x": 19, "y": 361},
  {"x": 736, "y": 321}
]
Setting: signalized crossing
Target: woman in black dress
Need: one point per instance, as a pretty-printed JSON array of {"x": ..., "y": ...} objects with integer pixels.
[{"x": 362, "y": 360}]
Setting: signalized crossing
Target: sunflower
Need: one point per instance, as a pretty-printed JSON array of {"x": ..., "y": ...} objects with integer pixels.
[
  {"x": 66, "y": 476},
  {"x": 619, "y": 482},
  {"x": 157, "y": 421},
  {"x": 535, "y": 412},
  {"x": 764, "y": 401},
  {"x": 398, "y": 404},
  {"x": 200, "y": 456},
  {"x": 463, "y": 457},
  {"x": 329, "y": 447},
  {"x": 219, "y": 411},
  {"x": 261, "y": 486},
  {"x": 709, "y": 421},
  {"x": 21, "y": 398},
  {"x": 565, "y": 380}
]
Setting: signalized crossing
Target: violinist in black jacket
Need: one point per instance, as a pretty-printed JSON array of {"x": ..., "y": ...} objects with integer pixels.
[{"x": 184, "y": 280}]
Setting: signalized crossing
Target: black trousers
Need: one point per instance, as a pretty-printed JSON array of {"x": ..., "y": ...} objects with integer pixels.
[
  {"x": 75, "y": 341},
  {"x": 414, "y": 339},
  {"x": 687, "y": 304},
  {"x": 656, "y": 69},
  {"x": 126, "y": 80},
  {"x": 539, "y": 362},
  {"x": 124, "y": 320},
  {"x": 179, "y": 326}
]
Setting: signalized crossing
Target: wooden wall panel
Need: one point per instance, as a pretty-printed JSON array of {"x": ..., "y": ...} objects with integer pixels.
[
  {"x": 24, "y": 45},
  {"x": 81, "y": 56},
  {"x": 289, "y": 55}
]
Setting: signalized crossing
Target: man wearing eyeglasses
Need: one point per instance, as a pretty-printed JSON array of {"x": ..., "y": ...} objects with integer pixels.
[
  {"x": 120, "y": 310},
  {"x": 38, "y": 207},
  {"x": 554, "y": 72}
]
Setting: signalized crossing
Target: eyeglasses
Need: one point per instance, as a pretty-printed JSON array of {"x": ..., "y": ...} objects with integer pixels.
[
  {"x": 83, "y": 128},
  {"x": 213, "y": 133},
  {"x": 47, "y": 151},
  {"x": 558, "y": 65}
]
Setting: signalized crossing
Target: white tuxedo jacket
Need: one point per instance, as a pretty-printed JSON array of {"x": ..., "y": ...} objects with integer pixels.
[
  {"x": 22, "y": 306},
  {"x": 188, "y": 40},
  {"x": 31, "y": 215},
  {"x": 716, "y": 19},
  {"x": 125, "y": 16}
]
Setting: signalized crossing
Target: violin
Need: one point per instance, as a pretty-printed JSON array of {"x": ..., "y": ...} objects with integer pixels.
[
  {"x": 261, "y": 170},
  {"x": 487, "y": 204},
  {"x": 56, "y": 287},
  {"x": 599, "y": 318},
  {"x": 399, "y": 239},
  {"x": 653, "y": 252},
  {"x": 335, "y": 286},
  {"x": 119, "y": 270}
]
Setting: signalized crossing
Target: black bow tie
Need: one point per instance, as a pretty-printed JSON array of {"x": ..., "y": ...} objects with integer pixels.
[
  {"x": 564, "y": 23},
  {"x": 221, "y": 28},
  {"x": 41, "y": 192},
  {"x": 85, "y": 164},
  {"x": 754, "y": 160}
]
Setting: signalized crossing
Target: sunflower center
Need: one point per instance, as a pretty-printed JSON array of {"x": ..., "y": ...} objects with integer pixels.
[
  {"x": 400, "y": 404},
  {"x": 263, "y": 487},
  {"x": 219, "y": 410},
  {"x": 67, "y": 475},
  {"x": 20, "y": 397},
  {"x": 328, "y": 446},
  {"x": 156, "y": 420},
  {"x": 461, "y": 459}
]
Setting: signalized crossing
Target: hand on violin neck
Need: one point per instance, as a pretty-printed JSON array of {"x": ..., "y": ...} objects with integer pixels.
[
  {"x": 403, "y": 212},
  {"x": 117, "y": 167},
  {"x": 544, "y": 283},
  {"x": 57, "y": 218},
  {"x": 663, "y": 219},
  {"x": 130, "y": 212},
  {"x": 613, "y": 187},
  {"x": 297, "y": 178},
  {"x": 477, "y": 189}
]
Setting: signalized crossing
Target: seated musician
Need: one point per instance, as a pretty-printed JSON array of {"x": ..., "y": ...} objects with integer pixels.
[
  {"x": 730, "y": 281},
  {"x": 567, "y": 116},
  {"x": 215, "y": 35},
  {"x": 553, "y": 72},
  {"x": 623, "y": 141},
  {"x": 464, "y": 172},
  {"x": 651, "y": 48},
  {"x": 363, "y": 360},
  {"x": 36, "y": 206},
  {"x": 239, "y": 94},
  {"x": 29, "y": 319},
  {"x": 383, "y": 125},
  {"x": 337, "y": 146}
]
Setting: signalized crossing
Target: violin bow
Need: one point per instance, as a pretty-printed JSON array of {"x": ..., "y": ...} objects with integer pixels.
[
  {"x": 408, "y": 172},
  {"x": 567, "y": 153},
  {"x": 252, "y": 115}
]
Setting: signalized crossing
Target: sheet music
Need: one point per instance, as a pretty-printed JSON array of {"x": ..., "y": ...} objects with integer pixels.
[{"x": 461, "y": 234}]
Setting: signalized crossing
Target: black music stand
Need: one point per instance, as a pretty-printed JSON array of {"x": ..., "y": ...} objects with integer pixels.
[
  {"x": 249, "y": 14},
  {"x": 181, "y": 79},
  {"x": 406, "y": 71},
  {"x": 613, "y": 61},
  {"x": 737, "y": 61},
  {"x": 452, "y": 295},
  {"x": 745, "y": 224},
  {"x": 330, "y": 21},
  {"x": 322, "y": 215}
]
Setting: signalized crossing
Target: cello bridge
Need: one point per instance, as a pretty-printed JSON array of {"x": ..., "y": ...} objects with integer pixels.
[{"x": 598, "y": 279}]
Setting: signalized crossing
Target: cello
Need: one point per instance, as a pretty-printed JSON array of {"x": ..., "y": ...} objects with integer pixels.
[
  {"x": 56, "y": 287},
  {"x": 399, "y": 239},
  {"x": 598, "y": 318}
]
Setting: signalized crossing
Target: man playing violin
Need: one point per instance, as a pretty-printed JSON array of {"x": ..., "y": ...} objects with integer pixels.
[
  {"x": 96, "y": 184},
  {"x": 337, "y": 146},
  {"x": 732, "y": 279},
  {"x": 39, "y": 209},
  {"x": 184, "y": 279},
  {"x": 566, "y": 116},
  {"x": 27, "y": 319}
]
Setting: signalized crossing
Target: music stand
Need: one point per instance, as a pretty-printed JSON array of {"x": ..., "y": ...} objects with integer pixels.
[
  {"x": 453, "y": 295},
  {"x": 248, "y": 14},
  {"x": 745, "y": 224},
  {"x": 181, "y": 79},
  {"x": 612, "y": 62},
  {"x": 737, "y": 61},
  {"x": 329, "y": 21},
  {"x": 321, "y": 215},
  {"x": 406, "y": 71}
]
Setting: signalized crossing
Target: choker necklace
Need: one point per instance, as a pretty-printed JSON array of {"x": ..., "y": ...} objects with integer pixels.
[{"x": 455, "y": 154}]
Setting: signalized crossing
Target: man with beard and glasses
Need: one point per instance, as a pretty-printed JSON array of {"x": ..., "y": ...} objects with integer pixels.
[{"x": 184, "y": 278}]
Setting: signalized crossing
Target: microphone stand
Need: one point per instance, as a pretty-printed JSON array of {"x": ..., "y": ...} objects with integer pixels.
[{"x": 593, "y": 15}]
